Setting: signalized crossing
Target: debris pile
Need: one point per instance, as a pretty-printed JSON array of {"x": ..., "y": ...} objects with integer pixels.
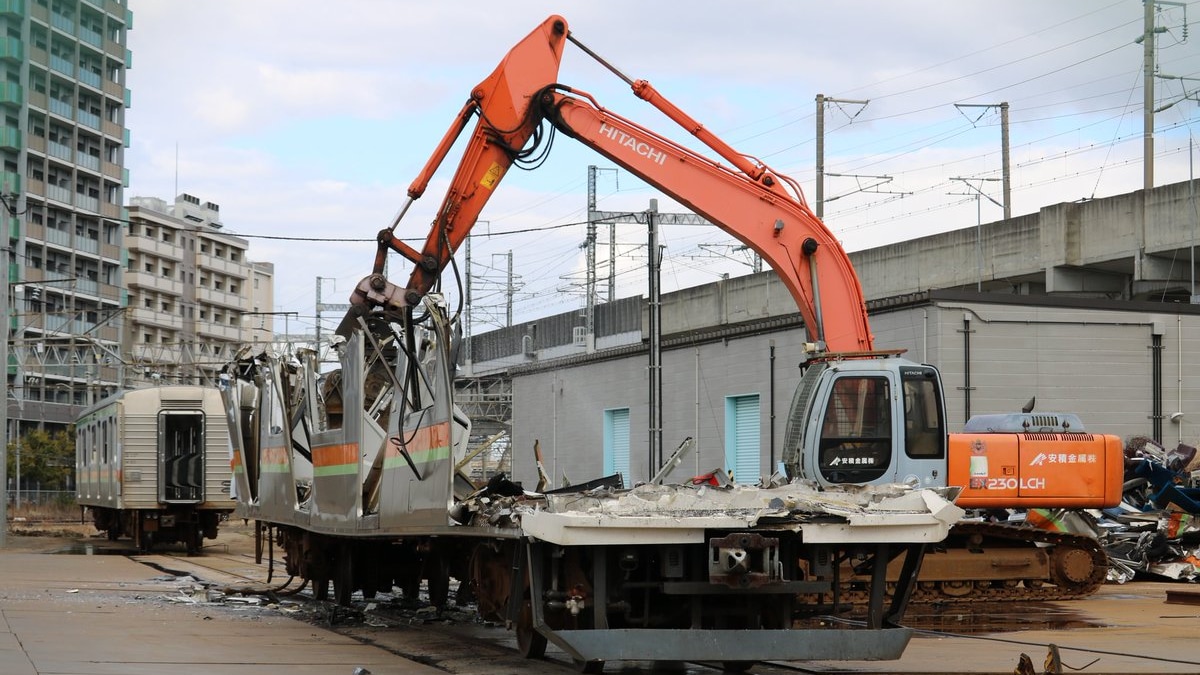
[{"x": 1156, "y": 528}]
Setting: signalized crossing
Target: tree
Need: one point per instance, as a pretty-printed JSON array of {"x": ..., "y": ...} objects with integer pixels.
[{"x": 47, "y": 459}]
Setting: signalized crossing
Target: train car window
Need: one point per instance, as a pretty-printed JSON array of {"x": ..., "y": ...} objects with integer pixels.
[{"x": 81, "y": 445}]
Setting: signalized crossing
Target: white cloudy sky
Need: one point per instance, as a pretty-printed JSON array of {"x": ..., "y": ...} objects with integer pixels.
[{"x": 309, "y": 119}]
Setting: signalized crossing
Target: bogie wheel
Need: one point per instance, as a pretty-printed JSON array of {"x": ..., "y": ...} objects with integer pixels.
[
  {"x": 530, "y": 643},
  {"x": 321, "y": 588},
  {"x": 736, "y": 666}
]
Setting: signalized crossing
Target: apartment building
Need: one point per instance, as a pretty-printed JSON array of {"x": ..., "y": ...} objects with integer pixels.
[
  {"x": 194, "y": 297},
  {"x": 63, "y": 144}
]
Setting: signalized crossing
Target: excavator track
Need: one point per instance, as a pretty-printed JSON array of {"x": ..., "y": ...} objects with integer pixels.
[{"x": 994, "y": 562}]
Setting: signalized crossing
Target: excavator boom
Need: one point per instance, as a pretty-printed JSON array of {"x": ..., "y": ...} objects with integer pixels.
[{"x": 746, "y": 200}]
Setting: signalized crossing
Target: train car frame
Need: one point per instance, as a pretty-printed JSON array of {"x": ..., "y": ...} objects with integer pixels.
[{"x": 153, "y": 464}]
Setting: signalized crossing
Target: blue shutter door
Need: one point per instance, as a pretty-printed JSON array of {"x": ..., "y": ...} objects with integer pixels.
[
  {"x": 743, "y": 453},
  {"x": 616, "y": 443}
]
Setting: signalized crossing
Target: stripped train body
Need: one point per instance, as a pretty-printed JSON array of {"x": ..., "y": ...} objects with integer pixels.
[
  {"x": 356, "y": 474},
  {"x": 153, "y": 465}
]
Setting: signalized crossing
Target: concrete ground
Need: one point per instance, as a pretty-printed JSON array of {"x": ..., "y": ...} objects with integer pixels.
[
  {"x": 110, "y": 615},
  {"x": 1121, "y": 630}
]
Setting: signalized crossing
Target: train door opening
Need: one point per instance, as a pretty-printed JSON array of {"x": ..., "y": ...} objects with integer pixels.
[{"x": 181, "y": 456}]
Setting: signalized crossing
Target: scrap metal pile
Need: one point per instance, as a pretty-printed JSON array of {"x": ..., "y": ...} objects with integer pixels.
[{"x": 1155, "y": 531}]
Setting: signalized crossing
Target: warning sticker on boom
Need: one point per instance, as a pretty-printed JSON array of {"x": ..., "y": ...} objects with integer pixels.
[{"x": 494, "y": 172}]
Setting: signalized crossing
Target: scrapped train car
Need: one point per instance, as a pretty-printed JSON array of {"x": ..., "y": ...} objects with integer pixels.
[
  {"x": 153, "y": 464},
  {"x": 356, "y": 475}
]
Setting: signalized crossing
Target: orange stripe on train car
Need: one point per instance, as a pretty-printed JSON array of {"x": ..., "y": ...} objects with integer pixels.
[
  {"x": 421, "y": 440},
  {"x": 335, "y": 455}
]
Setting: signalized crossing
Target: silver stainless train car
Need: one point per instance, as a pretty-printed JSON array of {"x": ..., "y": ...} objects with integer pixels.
[{"x": 153, "y": 464}]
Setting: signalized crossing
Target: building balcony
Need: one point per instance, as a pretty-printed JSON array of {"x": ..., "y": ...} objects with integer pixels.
[
  {"x": 90, "y": 78},
  {"x": 219, "y": 331},
  {"x": 110, "y": 251},
  {"x": 37, "y": 144},
  {"x": 11, "y": 93},
  {"x": 158, "y": 247},
  {"x": 56, "y": 149},
  {"x": 88, "y": 287},
  {"x": 38, "y": 100},
  {"x": 59, "y": 237},
  {"x": 110, "y": 210},
  {"x": 87, "y": 203},
  {"x": 206, "y": 261},
  {"x": 10, "y": 181},
  {"x": 89, "y": 161},
  {"x": 154, "y": 282},
  {"x": 62, "y": 23},
  {"x": 113, "y": 130},
  {"x": 220, "y": 298},
  {"x": 140, "y": 316},
  {"x": 63, "y": 109},
  {"x": 12, "y": 49},
  {"x": 89, "y": 120},
  {"x": 35, "y": 231},
  {"x": 87, "y": 244},
  {"x": 112, "y": 89},
  {"x": 91, "y": 37},
  {"x": 61, "y": 65},
  {"x": 58, "y": 194},
  {"x": 10, "y": 138}
]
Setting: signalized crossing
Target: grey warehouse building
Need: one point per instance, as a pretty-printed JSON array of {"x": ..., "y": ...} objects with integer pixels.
[{"x": 1084, "y": 306}]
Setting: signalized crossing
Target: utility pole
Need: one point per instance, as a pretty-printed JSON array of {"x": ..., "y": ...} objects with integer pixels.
[
  {"x": 821, "y": 101},
  {"x": 655, "y": 307},
  {"x": 1005, "y": 159},
  {"x": 1147, "y": 40},
  {"x": 509, "y": 291},
  {"x": 589, "y": 319},
  {"x": 1005, "y": 166},
  {"x": 5, "y": 315}
]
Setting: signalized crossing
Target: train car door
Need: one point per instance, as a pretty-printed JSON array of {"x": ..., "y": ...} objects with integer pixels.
[{"x": 181, "y": 456}]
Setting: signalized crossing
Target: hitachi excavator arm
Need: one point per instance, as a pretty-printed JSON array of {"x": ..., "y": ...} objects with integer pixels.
[{"x": 761, "y": 208}]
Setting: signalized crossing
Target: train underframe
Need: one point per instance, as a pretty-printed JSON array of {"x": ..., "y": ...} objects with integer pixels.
[
  {"x": 738, "y": 598},
  {"x": 149, "y": 527}
]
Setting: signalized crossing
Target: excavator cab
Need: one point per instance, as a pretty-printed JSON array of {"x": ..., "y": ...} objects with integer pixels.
[{"x": 868, "y": 421}]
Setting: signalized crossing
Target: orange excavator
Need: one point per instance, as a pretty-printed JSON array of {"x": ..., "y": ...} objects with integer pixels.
[{"x": 859, "y": 416}]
